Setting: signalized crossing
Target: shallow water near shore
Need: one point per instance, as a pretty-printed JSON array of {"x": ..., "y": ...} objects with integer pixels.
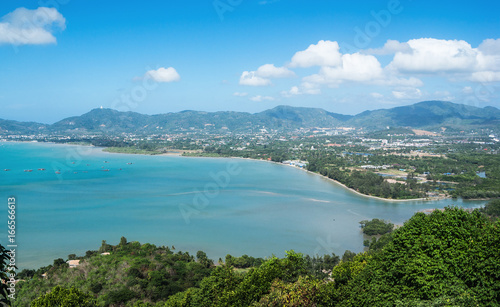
[{"x": 77, "y": 196}]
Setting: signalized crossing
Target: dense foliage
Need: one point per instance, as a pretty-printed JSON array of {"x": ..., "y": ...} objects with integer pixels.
[
  {"x": 376, "y": 227},
  {"x": 492, "y": 209},
  {"x": 4, "y": 275},
  {"x": 62, "y": 297},
  {"x": 446, "y": 258},
  {"x": 131, "y": 272}
]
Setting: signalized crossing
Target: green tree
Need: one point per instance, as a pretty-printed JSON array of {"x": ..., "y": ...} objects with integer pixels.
[
  {"x": 4, "y": 275},
  {"x": 63, "y": 297},
  {"x": 376, "y": 227},
  {"x": 492, "y": 208},
  {"x": 123, "y": 241},
  {"x": 431, "y": 257}
]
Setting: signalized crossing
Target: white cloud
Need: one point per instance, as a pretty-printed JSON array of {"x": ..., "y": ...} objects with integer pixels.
[
  {"x": 490, "y": 47},
  {"x": 409, "y": 93},
  {"x": 467, "y": 90},
  {"x": 324, "y": 53},
  {"x": 354, "y": 67},
  {"x": 31, "y": 27},
  {"x": 238, "y": 94},
  {"x": 431, "y": 55},
  {"x": 163, "y": 75},
  {"x": 305, "y": 88},
  {"x": 260, "y": 98},
  {"x": 271, "y": 71},
  {"x": 294, "y": 91},
  {"x": 455, "y": 59},
  {"x": 262, "y": 76},
  {"x": 310, "y": 88},
  {"x": 390, "y": 47},
  {"x": 377, "y": 95},
  {"x": 485, "y": 76},
  {"x": 251, "y": 78}
]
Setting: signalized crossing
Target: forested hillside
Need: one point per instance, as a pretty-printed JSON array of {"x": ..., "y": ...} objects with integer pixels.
[{"x": 446, "y": 258}]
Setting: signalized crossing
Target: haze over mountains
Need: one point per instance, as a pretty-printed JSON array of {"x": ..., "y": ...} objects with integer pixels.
[{"x": 427, "y": 114}]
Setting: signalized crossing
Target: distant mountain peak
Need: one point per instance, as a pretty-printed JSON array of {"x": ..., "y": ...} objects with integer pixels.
[{"x": 433, "y": 113}]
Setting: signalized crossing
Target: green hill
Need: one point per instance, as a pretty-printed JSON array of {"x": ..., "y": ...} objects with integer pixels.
[
  {"x": 445, "y": 258},
  {"x": 427, "y": 114}
]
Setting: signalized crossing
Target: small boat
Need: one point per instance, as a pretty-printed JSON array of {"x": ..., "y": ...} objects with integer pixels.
[
  {"x": 106, "y": 162},
  {"x": 73, "y": 162},
  {"x": 6, "y": 169},
  {"x": 129, "y": 163},
  {"x": 41, "y": 169},
  {"x": 105, "y": 170},
  {"x": 28, "y": 170},
  {"x": 58, "y": 172}
]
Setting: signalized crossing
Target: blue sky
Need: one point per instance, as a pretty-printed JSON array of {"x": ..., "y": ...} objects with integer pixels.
[{"x": 60, "y": 58}]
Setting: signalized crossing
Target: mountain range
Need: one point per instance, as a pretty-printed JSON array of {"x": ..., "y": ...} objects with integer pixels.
[{"x": 426, "y": 114}]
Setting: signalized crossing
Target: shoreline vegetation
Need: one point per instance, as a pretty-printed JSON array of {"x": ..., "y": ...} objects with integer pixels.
[
  {"x": 149, "y": 152},
  {"x": 200, "y": 154},
  {"x": 131, "y": 273},
  {"x": 324, "y": 177}
]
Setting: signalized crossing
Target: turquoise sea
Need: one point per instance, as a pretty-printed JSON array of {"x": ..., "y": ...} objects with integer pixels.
[{"x": 220, "y": 206}]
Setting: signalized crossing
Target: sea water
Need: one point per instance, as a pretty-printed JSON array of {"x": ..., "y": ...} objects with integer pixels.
[{"x": 77, "y": 196}]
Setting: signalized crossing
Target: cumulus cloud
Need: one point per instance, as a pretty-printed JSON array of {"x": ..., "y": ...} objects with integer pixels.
[
  {"x": 409, "y": 93},
  {"x": 429, "y": 55},
  {"x": 305, "y": 88},
  {"x": 260, "y": 98},
  {"x": 164, "y": 75},
  {"x": 324, "y": 53},
  {"x": 271, "y": 71},
  {"x": 450, "y": 58},
  {"x": 263, "y": 75},
  {"x": 376, "y": 95},
  {"x": 252, "y": 79},
  {"x": 390, "y": 47},
  {"x": 337, "y": 68},
  {"x": 455, "y": 60},
  {"x": 490, "y": 47},
  {"x": 292, "y": 92},
  {"x": 485, "y": 76},
  {"x": 31, "y": 27},
  {"x": 355, "y": 67}
]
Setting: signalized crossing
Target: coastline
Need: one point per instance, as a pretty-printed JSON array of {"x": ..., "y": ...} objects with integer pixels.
[
  {"x": 365, "y": 195},
  {"x": 180, "y": 153},
  {"x": 335, "y": 181}
]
